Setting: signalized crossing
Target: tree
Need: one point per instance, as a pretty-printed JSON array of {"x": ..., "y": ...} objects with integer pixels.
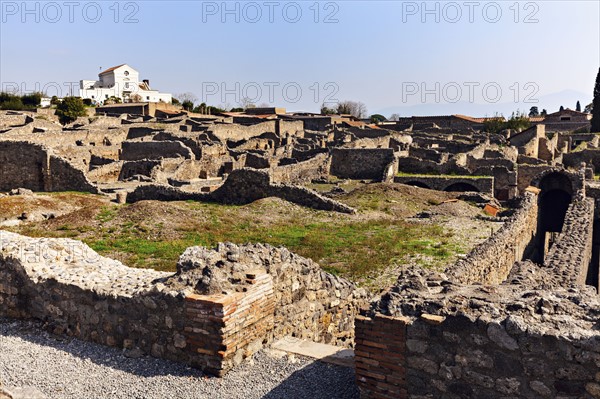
[
  {"x": 187, "y": 105},
  {"x": 200, "y": 109},
  {"x": 589, "y": 108},
  {"x": 377, "y": 118},
  {"x": 191, "y": 97},
  {"x": 533, "y": 111},
  {"x": 394, "y": 117},
  {"x": 325, "y": 110},
  {"x": 54, "y": 100},
  {"x": 518, "y": 121},
  {"x": 354, "y": 108},
  {"x": 596, "y": 105},
  {"x": 70, "y": 109},
  {"x": 494, "y": 124},
  {"x": 113, "y": 100},
  {"x": 246, "y": 103},
  {"x": 31, "y": 100},
  {"x": 174, "y": 101},
  {"x": 11, "y": 101},
  {"x": 544, "y": 112},
  {"x": 578, "y": 107},
  {"x": 561, "y": 109}
]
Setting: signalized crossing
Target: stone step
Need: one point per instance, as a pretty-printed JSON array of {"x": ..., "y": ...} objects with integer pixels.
[{"x": 323, "y": 352}]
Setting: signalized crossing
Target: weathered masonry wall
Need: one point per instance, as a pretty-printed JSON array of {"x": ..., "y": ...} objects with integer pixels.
[
  {"x": 447, "y": 183},
  {"x": 490, "y": 327},
  {"x": 243, "y": 186},
  {"x": 210, "y": 324},
  {"x": 138, "y": 150},
  {"x": 491, "y": 261},
  {"x": 33, "y": 166},
  {"x": 570, "y": 256},
  {"x": 361, "y": 163},
  {"x": 461, "y": 357},
  {"x": 309, "y": 303}
]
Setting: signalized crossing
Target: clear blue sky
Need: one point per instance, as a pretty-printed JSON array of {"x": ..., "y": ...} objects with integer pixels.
[{"x": 395, "y": 56}]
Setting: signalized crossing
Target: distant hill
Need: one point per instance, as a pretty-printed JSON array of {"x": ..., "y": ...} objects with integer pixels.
[{"x": 550, "y": 102}]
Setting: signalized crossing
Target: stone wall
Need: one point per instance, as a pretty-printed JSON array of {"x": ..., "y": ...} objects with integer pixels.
[
  {"x": 22, "y": 165},
  {"x": 32, "y": 166},
  {"x": 74, "y": 291},
  {"x": 308, "y": 303},
  {"x": 442, "y": 183},
  {"x": 242, "y": 186},
  {"x": 484, "y": 356},
  {"x": 527, "y": 173},
  {"x": 590, "y": 156},
  {"x": 138, "y": 150},
  {"x": 360, "y": 163},
  {"x": 220, "y": 307},
  {"x": 302, "y": 172},
  {"x": 492, "y": 325},
  {"x": 237, "y": 132},
  {"x": 570, "y": 256},
  {"x": 491, "y": 261}
]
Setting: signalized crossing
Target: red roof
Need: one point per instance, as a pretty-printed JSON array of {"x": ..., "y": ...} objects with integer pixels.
[
  {"x": 536, "y": 118},
  {"x": 477, "y": 120},
  {"x": 111, "y": 69}
]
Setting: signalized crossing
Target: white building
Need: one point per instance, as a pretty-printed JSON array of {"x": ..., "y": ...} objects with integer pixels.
[{"x": 122, "y": 82}]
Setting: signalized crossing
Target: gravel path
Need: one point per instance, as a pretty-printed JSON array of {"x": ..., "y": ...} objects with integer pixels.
[{"x": 63, "y": 367}]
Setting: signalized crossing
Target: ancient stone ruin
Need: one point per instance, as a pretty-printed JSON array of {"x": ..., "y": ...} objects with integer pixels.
[
  {"x": 515, "y": 317},
  {"x": 220, "y": 307}
]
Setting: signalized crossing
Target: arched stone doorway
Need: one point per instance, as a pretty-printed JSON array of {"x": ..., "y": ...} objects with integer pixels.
[
  {"x": 461, "y": 187},
  {"x": 556, "y": 193}
]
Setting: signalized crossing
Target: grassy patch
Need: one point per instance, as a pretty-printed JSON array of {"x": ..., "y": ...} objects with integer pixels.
[
  {"x": 153, "y": 234},
  {"x": 354, "y": 249},
  {"x": 106, "y": 214}
]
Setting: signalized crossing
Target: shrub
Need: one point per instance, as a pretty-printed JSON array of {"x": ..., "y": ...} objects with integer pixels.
[{"x": 70, "y": 109}]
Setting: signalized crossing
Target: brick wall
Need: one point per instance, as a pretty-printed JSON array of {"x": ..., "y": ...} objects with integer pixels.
[
  {"x": 380, "y": 350},
  {"x": 224, "y": 329}
]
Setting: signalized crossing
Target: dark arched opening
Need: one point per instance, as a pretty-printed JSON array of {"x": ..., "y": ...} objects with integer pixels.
[
  {"x": 461, "y": 187},
  {"x": 418, "y": 184},
  {"x": 553, "y": 207},
  {"x": 553, "y": 202}
]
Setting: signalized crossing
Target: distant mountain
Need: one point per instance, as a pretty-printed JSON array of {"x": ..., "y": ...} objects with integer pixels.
[{"x": 550, "y": 102}]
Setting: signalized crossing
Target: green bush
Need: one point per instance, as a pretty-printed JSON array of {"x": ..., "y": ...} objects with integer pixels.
[
  {"x": 32, "y": 100},
  {"x": 70, "y": 109},
  {"x": 17, "y": 103}
]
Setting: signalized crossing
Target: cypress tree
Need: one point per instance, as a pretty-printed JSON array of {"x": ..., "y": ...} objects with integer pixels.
[{"x": 596, "y": 105}]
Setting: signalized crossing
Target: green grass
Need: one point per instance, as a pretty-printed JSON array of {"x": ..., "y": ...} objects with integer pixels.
[
  {"x": 106, "y": 214},
  {"x": 359, "y": 247},
  {"x": 355, "y": 249}
]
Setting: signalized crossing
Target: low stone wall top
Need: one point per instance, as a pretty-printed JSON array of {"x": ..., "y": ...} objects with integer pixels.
[{"x": 243, "y": 186}]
